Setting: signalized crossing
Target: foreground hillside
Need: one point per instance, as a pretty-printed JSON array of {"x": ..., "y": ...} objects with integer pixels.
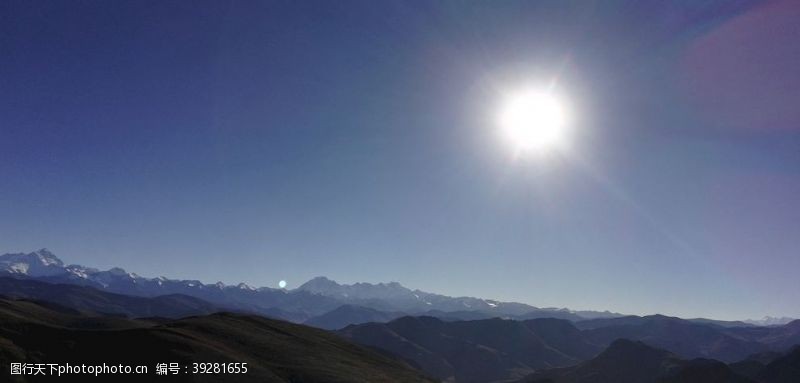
[{"x": 275, "y": 351}]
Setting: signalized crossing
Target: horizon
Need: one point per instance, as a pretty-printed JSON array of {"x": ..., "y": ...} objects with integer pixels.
[{"x": 266, "y": 142}]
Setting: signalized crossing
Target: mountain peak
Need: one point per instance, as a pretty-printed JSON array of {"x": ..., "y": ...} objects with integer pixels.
[
  {"x": 44, "y": 253},
  {"x": 320, "y": 285},
  {"x": 38, "y": 263},
  {"x": 46, "y": 257},
  {"x": 245, "y": 286},
  {"x": 770, "y": 321},
  {"x": 322, "y": 278}
]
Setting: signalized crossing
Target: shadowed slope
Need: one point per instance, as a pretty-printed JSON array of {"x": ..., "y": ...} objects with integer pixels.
[
  {"x": 476, "y": 351},
  {"x": 275, "y": 351},
  {"x": 628, "y": 361},
  {"x": 92, "y": 300}
]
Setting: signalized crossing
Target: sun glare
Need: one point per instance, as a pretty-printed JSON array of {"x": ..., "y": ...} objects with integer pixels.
[{"x": 534, "y": 121}]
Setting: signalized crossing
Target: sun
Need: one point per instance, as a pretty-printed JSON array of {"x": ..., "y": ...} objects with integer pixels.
[{"x": 534, "y": 121}]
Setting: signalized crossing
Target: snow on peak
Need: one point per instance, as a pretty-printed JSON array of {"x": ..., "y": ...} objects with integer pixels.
[
  {"x": 47, "y": 258},
  {"x": 18, "y": 268},
  {"x": 38, "y": 263},
  {"x": 80, "y": 273},
  {"x": 769, "y": 321}
]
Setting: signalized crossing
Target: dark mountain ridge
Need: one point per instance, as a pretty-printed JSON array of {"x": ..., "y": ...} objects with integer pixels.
[
  {"x": 476, "y": 351},
  {"x": 275, "y": 351},
  {"x": 502, "y": 349},
  {"x": 692, "y": 339},
  {"x": 626, "y": 361},
  {"x": 88, "y": 299}
]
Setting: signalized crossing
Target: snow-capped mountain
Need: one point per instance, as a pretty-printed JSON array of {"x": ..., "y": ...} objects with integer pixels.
[
  {"x": 45, "y": 266},
  {"x": 395, "y": 297},
  {"x": 770, "y": 321},
  {"x": 37, "y": 264},
  {"x": 315, "y": 297}
]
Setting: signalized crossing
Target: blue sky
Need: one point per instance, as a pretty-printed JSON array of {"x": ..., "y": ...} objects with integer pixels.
[{"x": 260, "y": 141}]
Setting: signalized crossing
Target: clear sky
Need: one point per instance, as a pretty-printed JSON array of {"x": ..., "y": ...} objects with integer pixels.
[{"x": 260, "y": 141}]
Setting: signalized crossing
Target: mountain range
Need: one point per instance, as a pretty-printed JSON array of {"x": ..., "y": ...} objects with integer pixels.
[
  {"x": 501, "y": 349},
  {"x": 419, "y": 334},
  {"x": 313, "y": 298},
  {"x": 769, "y": 321},
  {"x": 89, "y": 299},
  {"x": 493, "y": 350}
]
